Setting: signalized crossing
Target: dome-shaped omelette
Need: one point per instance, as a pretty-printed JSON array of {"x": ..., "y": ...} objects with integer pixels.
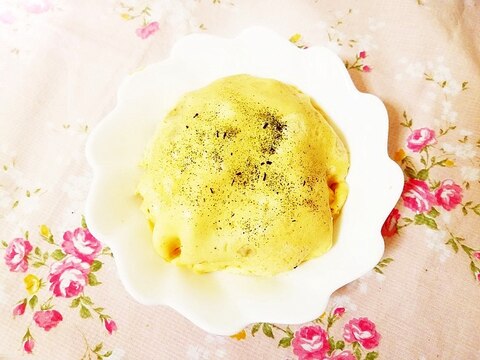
[{"x": 244, "y": 174}]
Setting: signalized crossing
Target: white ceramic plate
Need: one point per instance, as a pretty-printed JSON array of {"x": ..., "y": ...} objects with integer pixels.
[{"x": 220, "y": 302}]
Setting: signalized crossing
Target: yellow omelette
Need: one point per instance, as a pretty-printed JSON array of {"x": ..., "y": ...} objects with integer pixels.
[{"x": 246, "y": 175}]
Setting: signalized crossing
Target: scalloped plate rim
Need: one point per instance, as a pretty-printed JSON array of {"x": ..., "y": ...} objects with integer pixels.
[{"x": 396, "y": 188}]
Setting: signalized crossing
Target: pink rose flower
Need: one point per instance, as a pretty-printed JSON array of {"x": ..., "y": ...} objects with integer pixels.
[
  {"x": 366, "y": 68},
  {"x": 47, "y": 319},
  {"x": 37, "y": 6},
  {"x": 417, "y": 196},
  {"x": 68, "y": 277},
  {"x": 81, "y": 244},
  {"x": 420, "y": 138},
  {"x": 19, "y": 309},
  {"x": 448, "y": 195},
  {"x": 339, "y": 311},
  {"x": 28, "y": 345},
  {"x": 7, "y": 17},
  {"x": 478, "y": 276},
  {"x": 147, "y": 30},
  {"x": 16, "y": 254},
  {"x": 389, "y": 227},
  {"x": 363, "y": 331},
  {"x": 344, "y": 355},
  {"x": 362, "y": 54},
  {"x": 310, "y": 342},
  {"x": 476, "y": 255},
  {"x": 110, "y": 325}
]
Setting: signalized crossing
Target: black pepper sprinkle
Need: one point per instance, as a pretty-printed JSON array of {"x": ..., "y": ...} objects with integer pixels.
[
  {"x": 304, "y": 182},
  {"x": 264, "y": 176},
  {"x": 194, "y": 116},
  {"x": 249, "y": 173},
  {"x": 186, "y": 126},
  {"x": 211, "y": 190}
]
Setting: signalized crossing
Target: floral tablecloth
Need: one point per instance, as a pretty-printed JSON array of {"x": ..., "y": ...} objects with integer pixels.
[{"x": 61, "y": 63}]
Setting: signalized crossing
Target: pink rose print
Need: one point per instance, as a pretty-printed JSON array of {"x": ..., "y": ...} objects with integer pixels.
[
  {"x": 110, "y": 325},
  {"x": 28, "y": 345},
  {"x": 417, "y": 196},
  {"x": 68, "y": 277},
  {"x": 81, "y": 244},
  {"x": 476, "y": 255},
  {"x": 358, "y": 63},
  {"x": 7, "y": 17},
  {"x": 310, "y": 342},
  {"x": 339, "y": 311},
  {"x": 47, "y": 319},
  {"x": 344, "y": 355},
  {"x": 37, "y": 6},
  {"x": 16, "y": 254},
  {"x": 389, "y": 227},
  {"x": 19, "y": 309},
  {"x": 147, "y": 30},
  {"x": 363, "y": 331},
  {"x": 420, "y": 138},
  {"x": 448, "y": 195}
]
